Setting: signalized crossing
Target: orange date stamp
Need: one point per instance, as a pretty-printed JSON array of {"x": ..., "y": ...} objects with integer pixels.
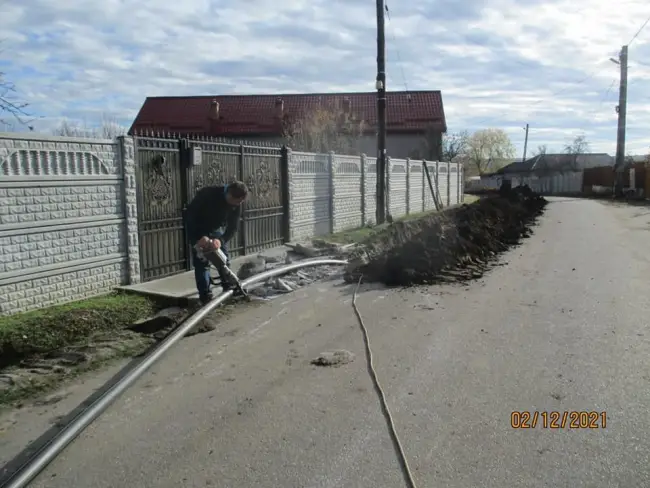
[{"x": 558, "y": 420}]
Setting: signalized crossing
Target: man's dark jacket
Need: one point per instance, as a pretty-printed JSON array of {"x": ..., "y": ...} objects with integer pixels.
[{"x": 209, "y": 211}]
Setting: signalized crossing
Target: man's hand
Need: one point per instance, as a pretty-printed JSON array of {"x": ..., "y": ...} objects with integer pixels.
[
  {"x": 208, "y": 244},
  {"x": 204, "y": 243}
]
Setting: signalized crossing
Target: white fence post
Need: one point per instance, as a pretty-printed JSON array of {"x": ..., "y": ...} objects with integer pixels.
[
  {"x": 330, "y": 164},
  {"x": 408, "y": 186},
  {"x": 363, "y": 189}
]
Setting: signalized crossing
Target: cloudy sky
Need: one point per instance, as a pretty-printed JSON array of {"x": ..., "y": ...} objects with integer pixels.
[{"x": 499, "y": 63}]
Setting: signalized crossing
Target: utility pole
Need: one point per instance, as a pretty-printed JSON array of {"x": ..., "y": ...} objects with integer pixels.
[
  {"x": 381, "y": 113},
  {"x": 525, "y": 144},
  {"x": 621, "y": 109}
]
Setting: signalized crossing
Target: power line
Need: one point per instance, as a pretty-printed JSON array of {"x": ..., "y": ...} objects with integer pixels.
[
  {"x": 399, "y": 57},
  {"x": 546, "y": 98},
  {"x": 639, "y": 31}
]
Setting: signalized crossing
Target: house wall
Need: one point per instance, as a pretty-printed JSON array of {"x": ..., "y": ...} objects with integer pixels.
[
  {"x": 67, "y": 219},
  {"x": 565, "y": 183},
  {"x": 401, "y": 146},
  {"x": 590, "y": 181},
  {"x": 332, "y": 193},
  {"x": 397, "y": 145}
]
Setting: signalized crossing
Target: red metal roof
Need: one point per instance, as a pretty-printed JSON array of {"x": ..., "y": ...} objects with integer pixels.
[{"x": 257, "y": 114}]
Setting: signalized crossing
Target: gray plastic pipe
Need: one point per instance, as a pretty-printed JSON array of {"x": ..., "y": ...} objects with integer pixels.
[{"x": 45, "y": 456}]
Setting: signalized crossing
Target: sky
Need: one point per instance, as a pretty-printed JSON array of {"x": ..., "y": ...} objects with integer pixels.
[{"x": 499, "y": 63}]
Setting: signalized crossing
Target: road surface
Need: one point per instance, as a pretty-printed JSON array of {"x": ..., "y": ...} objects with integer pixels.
[{"x": 563, "y": 326}]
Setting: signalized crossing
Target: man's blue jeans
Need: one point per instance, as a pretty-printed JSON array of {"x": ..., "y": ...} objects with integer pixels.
[{"x": 202, "y": 271}]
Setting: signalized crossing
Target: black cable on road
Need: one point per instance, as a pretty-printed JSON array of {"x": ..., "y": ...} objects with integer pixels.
[{"x": 397, "y": 444}]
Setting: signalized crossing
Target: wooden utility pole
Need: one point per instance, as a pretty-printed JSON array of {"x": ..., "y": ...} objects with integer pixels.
[
  {"x": 621, "y": 109},
  {"x": 525, "y": 144},
  {"x": 381, "y": 113}
]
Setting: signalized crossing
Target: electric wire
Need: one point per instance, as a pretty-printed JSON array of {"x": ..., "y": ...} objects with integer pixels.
[
  {"x": 399, "y": 56},
  {"x": 397, "y": 443},
  {"x": 639, "y": 31}
]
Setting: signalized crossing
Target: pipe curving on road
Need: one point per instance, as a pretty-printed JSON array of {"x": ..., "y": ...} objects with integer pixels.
[{"x": 45, "y": 456}]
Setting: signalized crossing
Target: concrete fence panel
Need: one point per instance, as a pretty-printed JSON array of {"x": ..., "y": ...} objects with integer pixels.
[
  {"x": 453, "y": 184},
  {"x": 370, "y": 190},
  {"x": 348, "y": 192},
  {"x": 429, "y": 204},
  {"x": 64, "y": 231},
  {"x": 398, "y": 187},
  {"x": 310, "y": 190},
  {"x": 443, "y": 183},
  {"x": 417, "y": 185}
]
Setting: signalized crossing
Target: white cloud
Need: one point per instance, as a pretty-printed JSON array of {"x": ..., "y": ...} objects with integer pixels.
[{"x": 499, "y": 63}]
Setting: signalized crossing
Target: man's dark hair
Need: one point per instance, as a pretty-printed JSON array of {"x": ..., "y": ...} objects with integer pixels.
[{"x": 238, "y": 189}]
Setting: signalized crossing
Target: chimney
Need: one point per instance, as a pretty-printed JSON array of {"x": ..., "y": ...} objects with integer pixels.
[
  {"x": 214, "y": 110},
  {"x": 279, "y": 107}
]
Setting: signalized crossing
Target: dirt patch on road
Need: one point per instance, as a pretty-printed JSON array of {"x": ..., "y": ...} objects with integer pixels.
[
  {"x": 454, "y": 245},
  {"x": 43, "y": 349}
]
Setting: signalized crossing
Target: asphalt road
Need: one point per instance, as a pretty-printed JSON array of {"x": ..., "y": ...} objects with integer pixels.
[{"x": 562, "y": 327}]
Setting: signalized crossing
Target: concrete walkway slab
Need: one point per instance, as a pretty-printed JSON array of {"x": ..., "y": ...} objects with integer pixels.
[{"x": 182, "y": 286}]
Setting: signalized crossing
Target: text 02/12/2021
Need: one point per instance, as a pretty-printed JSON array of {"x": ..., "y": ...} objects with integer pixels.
[{"x": 558, "y": 420}]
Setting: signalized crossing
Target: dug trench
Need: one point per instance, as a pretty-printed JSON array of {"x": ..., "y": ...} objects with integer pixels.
[{"x": 455, "y": 245}]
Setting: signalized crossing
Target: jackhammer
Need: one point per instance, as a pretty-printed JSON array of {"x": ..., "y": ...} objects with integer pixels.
[{"x": 218, "y": 259}]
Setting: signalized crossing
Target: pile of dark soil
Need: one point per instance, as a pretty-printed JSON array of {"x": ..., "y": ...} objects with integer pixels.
[{"x": 454, "y": 245}]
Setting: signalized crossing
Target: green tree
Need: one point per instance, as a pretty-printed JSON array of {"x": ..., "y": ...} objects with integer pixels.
[{"x": 487, "y": 147}]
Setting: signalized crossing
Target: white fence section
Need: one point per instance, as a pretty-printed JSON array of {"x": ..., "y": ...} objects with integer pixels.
[
  {"x": 69, "y": 216},
  {"x": 331, "y": 192},
  {"x": 68, "y": 227},
  {"x": 557, "y": 184}
]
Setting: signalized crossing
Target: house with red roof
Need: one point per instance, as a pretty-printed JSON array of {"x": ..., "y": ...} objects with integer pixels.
[{"x": 415, "y": 119}]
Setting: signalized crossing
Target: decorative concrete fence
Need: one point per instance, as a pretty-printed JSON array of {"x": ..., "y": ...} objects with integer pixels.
[
  {"x": 330, "y": 192},
  {"x": 69, "y": 210},
  {"x": 68, "y": 226}
]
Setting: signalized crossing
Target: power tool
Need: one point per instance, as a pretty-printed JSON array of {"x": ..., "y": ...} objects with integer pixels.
[{"x": 218, "y": 259}]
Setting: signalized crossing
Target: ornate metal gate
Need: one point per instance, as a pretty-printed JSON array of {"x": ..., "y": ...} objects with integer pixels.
[
  {"x": 162, "y": 194},
  {"x": 264, "y": 216},
  {"x": 170, "y": 172}
]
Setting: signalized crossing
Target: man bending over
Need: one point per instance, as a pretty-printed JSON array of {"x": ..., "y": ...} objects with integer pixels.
[{"x": 211, "y": 220}]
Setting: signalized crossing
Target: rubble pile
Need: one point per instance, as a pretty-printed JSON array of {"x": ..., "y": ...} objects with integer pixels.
[
  {"x": 290, "y": 282},
  {"x": 454, "y": 245}
]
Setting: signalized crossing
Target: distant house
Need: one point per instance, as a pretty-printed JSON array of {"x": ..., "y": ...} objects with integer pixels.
[
  {"x": 638, "y": 158},
  {"x": 548, "y": 164},
  {"x": 415, "y": 120}
]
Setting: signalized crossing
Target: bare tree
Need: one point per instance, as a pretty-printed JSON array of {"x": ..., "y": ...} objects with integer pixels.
[
  {"x": 562, "y": 163},
  {"x": 324, "y": 129},
  {"x": 70, "y": 129},
  {"x": 454, "y": 145},
  {"x": 11, "y": 106},
  {"x": 578, "y": 146},
  {"x": 109, "y": 128},
  {"x": 488, "y": 146},
  {"x": 541, "y": 150}
]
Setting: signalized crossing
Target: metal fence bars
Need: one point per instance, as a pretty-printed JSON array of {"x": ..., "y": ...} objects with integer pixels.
[{"x": 169, "y": 172}]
